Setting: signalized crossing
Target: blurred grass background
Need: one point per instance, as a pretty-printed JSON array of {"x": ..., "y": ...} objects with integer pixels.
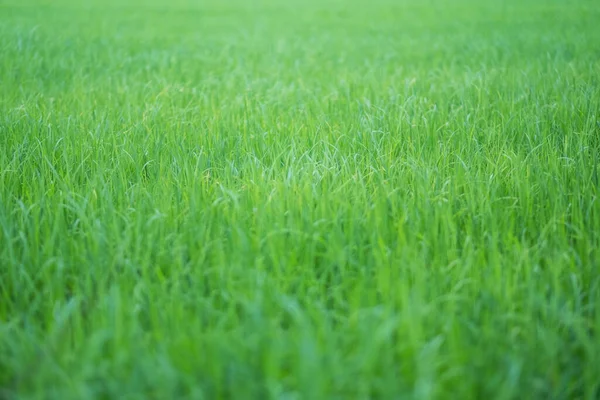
[{"x": 333, "y": 199}]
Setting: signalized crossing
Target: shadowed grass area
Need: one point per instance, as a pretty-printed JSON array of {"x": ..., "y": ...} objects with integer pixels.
[{"x": 299, "y": 200}]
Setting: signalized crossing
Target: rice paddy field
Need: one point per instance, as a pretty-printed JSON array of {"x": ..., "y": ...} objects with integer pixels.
[{"x": 299, "y": 199}]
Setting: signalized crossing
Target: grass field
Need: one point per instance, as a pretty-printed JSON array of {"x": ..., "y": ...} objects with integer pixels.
[{"x": 299, "y": 199}]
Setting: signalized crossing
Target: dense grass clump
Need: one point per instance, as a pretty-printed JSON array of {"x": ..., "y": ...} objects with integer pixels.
[{"x": 299, "y": 199}]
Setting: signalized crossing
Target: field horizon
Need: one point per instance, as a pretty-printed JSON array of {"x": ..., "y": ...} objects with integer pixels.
[{"x": 299, "y": 200}]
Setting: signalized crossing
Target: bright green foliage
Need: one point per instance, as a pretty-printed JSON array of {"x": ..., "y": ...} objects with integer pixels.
[{"x": 299, "y": 199}]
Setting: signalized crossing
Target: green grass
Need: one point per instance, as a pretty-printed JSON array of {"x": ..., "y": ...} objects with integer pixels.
[{"x": 299, "y": 199}]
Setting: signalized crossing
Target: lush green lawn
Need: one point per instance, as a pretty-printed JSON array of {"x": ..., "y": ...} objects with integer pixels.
[{"x": 300, "y": 199}]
